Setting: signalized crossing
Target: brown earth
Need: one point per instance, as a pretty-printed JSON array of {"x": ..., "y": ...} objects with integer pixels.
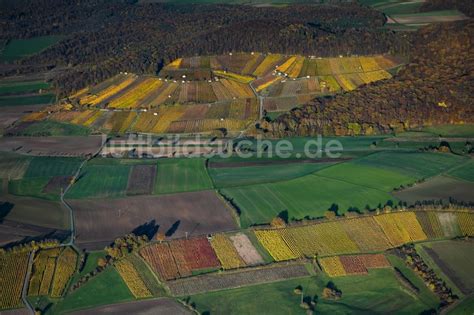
[
  {"x": 436, "y": 188},
  {"x": 56, "y": 183},
  {"x": 52, "y": 146},
  {"x": 141, "y": 180},
  {"x": 98, "y": 221},
  {"x": 158, "y": 306}
]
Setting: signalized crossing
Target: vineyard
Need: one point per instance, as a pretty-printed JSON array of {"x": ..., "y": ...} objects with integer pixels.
[
  {"x": 354, "y": 235},
  {"x": 132, "y": 279},
  {"x": 13, "y": 267},
  {"x": 180, "y": 258},
  {"x": 204, "y": 94},
  {"x": 236, "y": 279},
  {"x": 353, "y": 264},
  {"x": 52, "y": 269},
  {"x": 226, "y": 252}
]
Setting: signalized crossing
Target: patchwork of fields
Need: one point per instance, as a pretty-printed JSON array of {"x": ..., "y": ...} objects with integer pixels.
[{"x": 202, "y": 94}]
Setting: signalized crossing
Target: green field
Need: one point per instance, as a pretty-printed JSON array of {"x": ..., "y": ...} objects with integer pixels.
[
  {"x": 363, "y": 175},
  {"x": 248, "y": 175},
  {"x": 20, "y": 48},
  {"x": 415, "y": 164},
  {"x": 310, "y": 195},
  {"x": 463, "y": 308},
  {"x": 451, "y": 130},
  {"x": 27, "y": 100},
  {"x": 54, "y": 128},
  {"x": 378, "y": 292},
  {"x": 52, "y": 166},
  {"x": 465, "y": 172},
  {"x": 101, "y": 178},
  {"x": 180, "y": 175},
  {"x": 31, "y": 187},
  {"x": 106, "y": 288},
  {"x": 23, "y": 87}
]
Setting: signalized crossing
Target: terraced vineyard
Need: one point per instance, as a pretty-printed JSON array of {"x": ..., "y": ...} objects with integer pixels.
[{"x": 208, "y": 93}]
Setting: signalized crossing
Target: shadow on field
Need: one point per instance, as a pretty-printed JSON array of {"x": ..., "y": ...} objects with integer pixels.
[
  {"x": 149, "y": 229},
  {"x": 5, "y": 208}
]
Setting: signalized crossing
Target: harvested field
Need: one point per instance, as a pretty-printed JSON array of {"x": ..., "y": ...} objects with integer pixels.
[
  {"x": 158, "y": 306},
  {"x": 245, "y": 249},
  {"x": 235, "y": 279},
  {"x": 226, "y": 252},
  {"x": 52, "y": 146},
  {"x": 449, "y": 224},
  {"x": 454, "y": 258},
  {"x": 438, "y": 188},
  {"x": 99, "y": 222},
  {"x": 56, "y": 184},
  {"x": 141, "y": 180}
]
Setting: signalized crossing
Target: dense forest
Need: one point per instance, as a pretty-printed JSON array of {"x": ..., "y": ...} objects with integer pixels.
[
  {"x": 104, "y": 37},
  {"x": 465, "y": 6},
  {"x": 436, "y": 87}
]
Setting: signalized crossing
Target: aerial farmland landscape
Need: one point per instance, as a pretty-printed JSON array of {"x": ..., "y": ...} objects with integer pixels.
[{"x": 236, "y": 157}]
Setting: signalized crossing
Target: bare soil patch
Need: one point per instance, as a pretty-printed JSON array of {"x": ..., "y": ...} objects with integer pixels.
[
  {"x": 159, "y": 306},
  {"x": 52, "y": 146},
  {"x": 141, "y": 180},
  {"x": 99, "y": 221},
  {"x": 56, "y": 183},
  {"x": 438, "y": 188}
]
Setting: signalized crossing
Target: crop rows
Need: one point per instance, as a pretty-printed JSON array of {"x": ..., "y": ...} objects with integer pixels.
[
  {"x": 400, "y": 228},
  {"x": 13, "y": 268},
  {"x": 430, "y": 224},
  {"x": 134, "y": 95},
  {"x": 449, "y": 224},
  {"x": 43, "y": 272},
  {"x": 65, "y": 267},
  {"x": 275, "y": 245},
  {"x": 236, "y": 279},
  {"x": 245, "y": 249},
  {"x": 226, "y": 252},
  {"x": 179, "y": 258},
  {"x": 466, "y": 223},
  {"x": 132, "y": 279},
  {"x": 366, "y": 234},
  {"x": 353, "y": 264},
  {"x": 107, "y": 93}
]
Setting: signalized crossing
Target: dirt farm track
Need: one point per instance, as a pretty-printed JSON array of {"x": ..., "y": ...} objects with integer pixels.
[{"x": 98, "y": 222}]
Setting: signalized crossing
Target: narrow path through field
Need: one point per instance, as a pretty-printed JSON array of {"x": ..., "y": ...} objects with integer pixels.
[
  {"x": 24, "y": 291},
  {"x": 63, "y": 193}
]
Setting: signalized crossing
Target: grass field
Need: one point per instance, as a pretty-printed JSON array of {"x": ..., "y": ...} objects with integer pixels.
[
  {"x": 466, "y": 306},
  {"x": 26, "y": 100},
  {"x": 23, "y": 87},
  {"x": 305, "y": 196},
  {"x": 363, "y": 175},
  {"x": 52, "y": 166},
  {"x": 377, "y": 292},
  {"x": 106, "y": 288},
  {"x": 465, "y": 172},
  {"x": 20, "y": 48},
  {"x": 180, "y": 175},
  {"x": 31, "y": 187},
  {"x": 13, "y": 165},
  {"x": 248, "y": 175},
  {"x": 101, "y": 178},
  {"x": 451, "y": 130},
  {"x": 415, "y": 164},
  {"x": 54, "y": 128}
]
